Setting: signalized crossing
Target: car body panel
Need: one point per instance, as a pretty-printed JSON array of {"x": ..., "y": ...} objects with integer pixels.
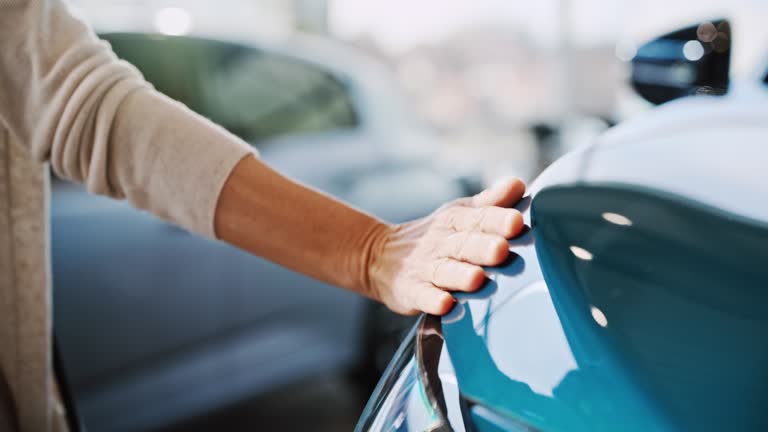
[{"x": 652, "y": 243}]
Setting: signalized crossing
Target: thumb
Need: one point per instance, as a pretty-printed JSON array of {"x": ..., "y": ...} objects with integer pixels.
[{"x": 503, "y": 194}]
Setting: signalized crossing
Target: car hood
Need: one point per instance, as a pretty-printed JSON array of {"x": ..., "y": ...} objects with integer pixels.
[{"x": 635, "y": 300}]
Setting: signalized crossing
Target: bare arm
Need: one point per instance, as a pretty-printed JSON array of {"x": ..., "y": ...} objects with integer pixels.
[
  {"x": 409, "y": 267},
  {"x": 66, "y": 98},
  {"x": 271, "y": 216}
]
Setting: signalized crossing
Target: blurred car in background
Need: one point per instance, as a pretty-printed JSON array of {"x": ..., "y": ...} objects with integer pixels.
[
  {"x": 636, "y": 299},
  {"x": 155, "y": 324}
]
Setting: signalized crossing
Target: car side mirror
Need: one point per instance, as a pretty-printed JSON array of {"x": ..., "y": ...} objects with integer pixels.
[{"x": 694, "y": 60}]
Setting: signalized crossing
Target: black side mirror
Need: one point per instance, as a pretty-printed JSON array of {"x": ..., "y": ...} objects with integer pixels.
[{"x": 694, "y": 60}]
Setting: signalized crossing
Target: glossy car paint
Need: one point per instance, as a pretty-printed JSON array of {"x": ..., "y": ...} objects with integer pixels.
[{"x": 652, "y": 317}]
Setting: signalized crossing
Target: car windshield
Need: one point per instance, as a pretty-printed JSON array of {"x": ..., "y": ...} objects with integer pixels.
[
  {"x": 254, "y": 94},
  {"x": 678, "y": 288}
]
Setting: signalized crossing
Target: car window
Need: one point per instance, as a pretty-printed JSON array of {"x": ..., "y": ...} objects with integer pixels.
[{"x": 253, "y": 93}]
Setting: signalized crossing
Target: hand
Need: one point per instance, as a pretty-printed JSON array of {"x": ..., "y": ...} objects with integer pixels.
[{"x": 414, "y": 266}]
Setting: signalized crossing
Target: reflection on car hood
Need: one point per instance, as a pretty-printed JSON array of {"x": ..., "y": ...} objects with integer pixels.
[{"x": 637, "y": 300}]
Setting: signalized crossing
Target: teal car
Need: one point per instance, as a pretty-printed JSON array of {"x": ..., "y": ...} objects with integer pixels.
[{"x": 636, "y": 299}]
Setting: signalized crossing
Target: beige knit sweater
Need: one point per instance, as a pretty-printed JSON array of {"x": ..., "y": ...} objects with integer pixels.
[{"x": 65, "y": 100}]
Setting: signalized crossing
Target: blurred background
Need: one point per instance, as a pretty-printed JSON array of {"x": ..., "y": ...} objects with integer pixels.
[{"x": 391, "y": 105}]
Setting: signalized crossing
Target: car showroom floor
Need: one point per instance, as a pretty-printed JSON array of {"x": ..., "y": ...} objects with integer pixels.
[{"x": 322, "y": 404}]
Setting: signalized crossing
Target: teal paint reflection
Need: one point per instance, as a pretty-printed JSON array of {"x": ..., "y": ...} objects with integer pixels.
[
  {"x": 661, "y": 307},
  {"x": 683, "y": 289},
  {"x": 586, "y": 399}
]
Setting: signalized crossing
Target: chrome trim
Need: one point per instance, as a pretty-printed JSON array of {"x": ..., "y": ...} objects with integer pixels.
[{"x": 429, "y": 345}]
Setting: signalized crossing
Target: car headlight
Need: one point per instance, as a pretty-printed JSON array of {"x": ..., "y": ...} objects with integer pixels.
[{"x": 403, "y": 399}]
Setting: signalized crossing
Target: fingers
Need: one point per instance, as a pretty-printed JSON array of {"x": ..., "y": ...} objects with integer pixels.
[
  {"x": 504, "y": 194},
  {"x": 432, "y": 300},
  {"x": 474, "y": 247},
  {"x": 491, "y": 220},
  {"x": 455, "y": 275},
  {"x": 445, "y": 251}
]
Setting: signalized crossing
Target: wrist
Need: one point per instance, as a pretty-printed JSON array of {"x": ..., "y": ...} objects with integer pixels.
[{"x": 372, "y": 254}]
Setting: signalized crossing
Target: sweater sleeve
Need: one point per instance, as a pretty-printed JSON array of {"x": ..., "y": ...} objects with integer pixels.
[{"x": 65, "y": 95}]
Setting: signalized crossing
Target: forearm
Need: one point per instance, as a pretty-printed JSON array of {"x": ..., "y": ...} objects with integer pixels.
[{"x": 267, "y": 214}]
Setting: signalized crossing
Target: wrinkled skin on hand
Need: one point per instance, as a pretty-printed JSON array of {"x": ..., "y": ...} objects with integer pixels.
[{"x": 414, "y": 266}]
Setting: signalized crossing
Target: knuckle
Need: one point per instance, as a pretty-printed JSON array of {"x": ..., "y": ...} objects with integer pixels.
[
  {"x": 444, "y": 217},
  {"x": 480, "y": 216},
  {"x": 461, "y": 202},
  {"x": 451, "y": 218},
  {"x": 436, "y": 268},
  {"x": 433, "y": 249},
  {"x": 442, "y": 247},
  {"x": 460, "y": 244},
  {"x": 454, "y": 218}
]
